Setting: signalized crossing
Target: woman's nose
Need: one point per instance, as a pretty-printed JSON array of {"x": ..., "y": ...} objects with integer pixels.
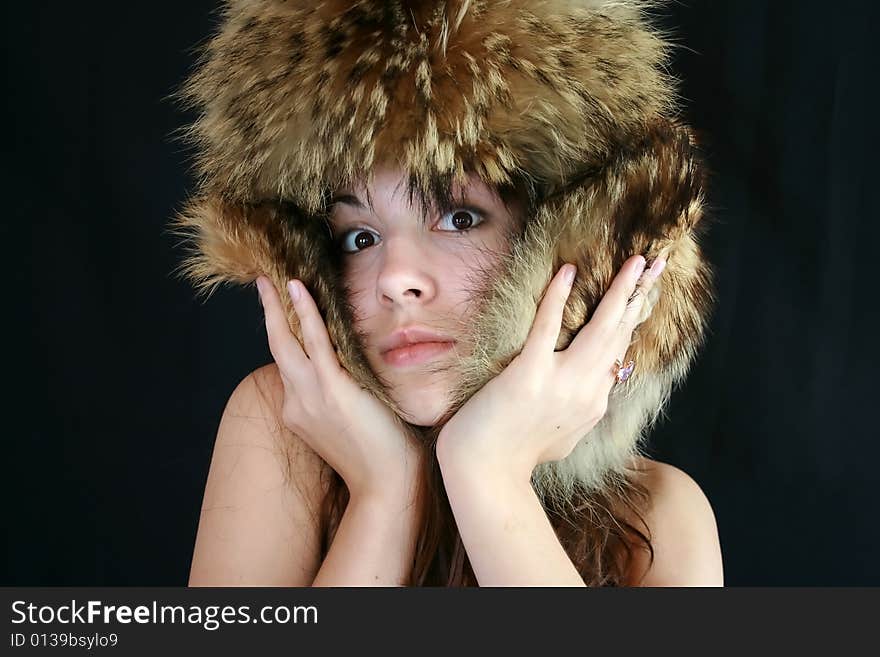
[{"x": 405, "y": 276}]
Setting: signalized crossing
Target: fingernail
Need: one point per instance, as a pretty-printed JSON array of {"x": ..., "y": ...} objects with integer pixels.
[
  {"x": 294, "y": 291},
  {"x": 657, "y": 267},
  {"x": 570, "y": 271},
  {"x": 640, "y": 267}
]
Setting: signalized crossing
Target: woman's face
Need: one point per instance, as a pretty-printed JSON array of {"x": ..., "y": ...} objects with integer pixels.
[{"x": 412, "y": 283}]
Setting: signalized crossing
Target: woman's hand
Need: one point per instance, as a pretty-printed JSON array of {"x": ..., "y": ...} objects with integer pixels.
[
  {"x": 545, "y": 401},
  {"x": 355, "y": 433}
]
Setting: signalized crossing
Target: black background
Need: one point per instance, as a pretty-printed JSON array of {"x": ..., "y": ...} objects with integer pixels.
[{"x": 117, "y": 378}]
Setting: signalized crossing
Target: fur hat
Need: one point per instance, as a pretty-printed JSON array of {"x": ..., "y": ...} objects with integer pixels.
[{"x": 295, "y": 98}]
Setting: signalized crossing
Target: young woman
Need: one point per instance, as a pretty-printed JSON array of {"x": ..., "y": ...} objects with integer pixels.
[
  {"x": 410, "y": 287},
  {"x": 458, "y": 216}
]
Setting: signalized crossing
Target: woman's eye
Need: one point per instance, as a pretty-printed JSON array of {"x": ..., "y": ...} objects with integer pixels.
[
  {"x": 358, "y": 240},
  {"x": 460, "y": 220}
]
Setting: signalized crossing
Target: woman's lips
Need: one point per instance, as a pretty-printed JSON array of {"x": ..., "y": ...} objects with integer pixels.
[{"x": 413, "y": 354}]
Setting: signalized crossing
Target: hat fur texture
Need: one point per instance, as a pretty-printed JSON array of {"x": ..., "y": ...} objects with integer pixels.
[{"x": 298, "y": 98}]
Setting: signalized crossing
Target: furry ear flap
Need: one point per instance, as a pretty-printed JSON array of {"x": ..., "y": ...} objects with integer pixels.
[
  {"x": 648, "y": 200},
  {"x": 235, "y": 242},
  {"x": 232, "y": 242}
]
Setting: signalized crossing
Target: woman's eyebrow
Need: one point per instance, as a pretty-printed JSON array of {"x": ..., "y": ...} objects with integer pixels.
[{"x": 348, "y": 199}]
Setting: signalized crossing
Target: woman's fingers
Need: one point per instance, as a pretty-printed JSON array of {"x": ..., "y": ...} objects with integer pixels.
[
  {"x": 315, "y": 338},
  {"x": 609, "y": 313},
  {"x": 285, "y": 349},
  {"x": 548, "y": 319},
  {"x": 612, "y": 324},
  {"x": 635, "y": 311}
]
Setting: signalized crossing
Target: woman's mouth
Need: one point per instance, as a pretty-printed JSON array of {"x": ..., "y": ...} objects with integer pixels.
[{"x": 413, "y": 354}]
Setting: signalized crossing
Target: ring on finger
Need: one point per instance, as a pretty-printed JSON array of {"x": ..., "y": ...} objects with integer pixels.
[{"x": 622, "y": 372}]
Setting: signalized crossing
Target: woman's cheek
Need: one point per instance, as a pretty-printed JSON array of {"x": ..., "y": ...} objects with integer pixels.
[{"x": 358, "y": 298}]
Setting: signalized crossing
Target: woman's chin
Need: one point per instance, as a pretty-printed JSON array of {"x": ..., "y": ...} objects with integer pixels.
[
  {"x": 420, "y": 418},
  {"x": 423, "y": 414},
  {"x": 421, "y": 403}
]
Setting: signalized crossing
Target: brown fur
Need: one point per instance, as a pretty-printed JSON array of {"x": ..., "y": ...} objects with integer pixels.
[{"x": 295, "y": 98}]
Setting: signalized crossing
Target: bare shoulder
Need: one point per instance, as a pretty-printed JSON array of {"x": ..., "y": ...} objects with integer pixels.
[
  {"x": 257, "y": 402},
  {"x": 684, "y": 533},
  {"x": 258, "y": 519}
]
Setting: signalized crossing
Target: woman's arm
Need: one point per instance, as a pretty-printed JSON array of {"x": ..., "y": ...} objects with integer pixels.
[
  {"x": 505, "y": 531},
  {"x": 510, "y": 541},
  {"x": 375, "y": 543},
  {"x": 259, "y": 524}
]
